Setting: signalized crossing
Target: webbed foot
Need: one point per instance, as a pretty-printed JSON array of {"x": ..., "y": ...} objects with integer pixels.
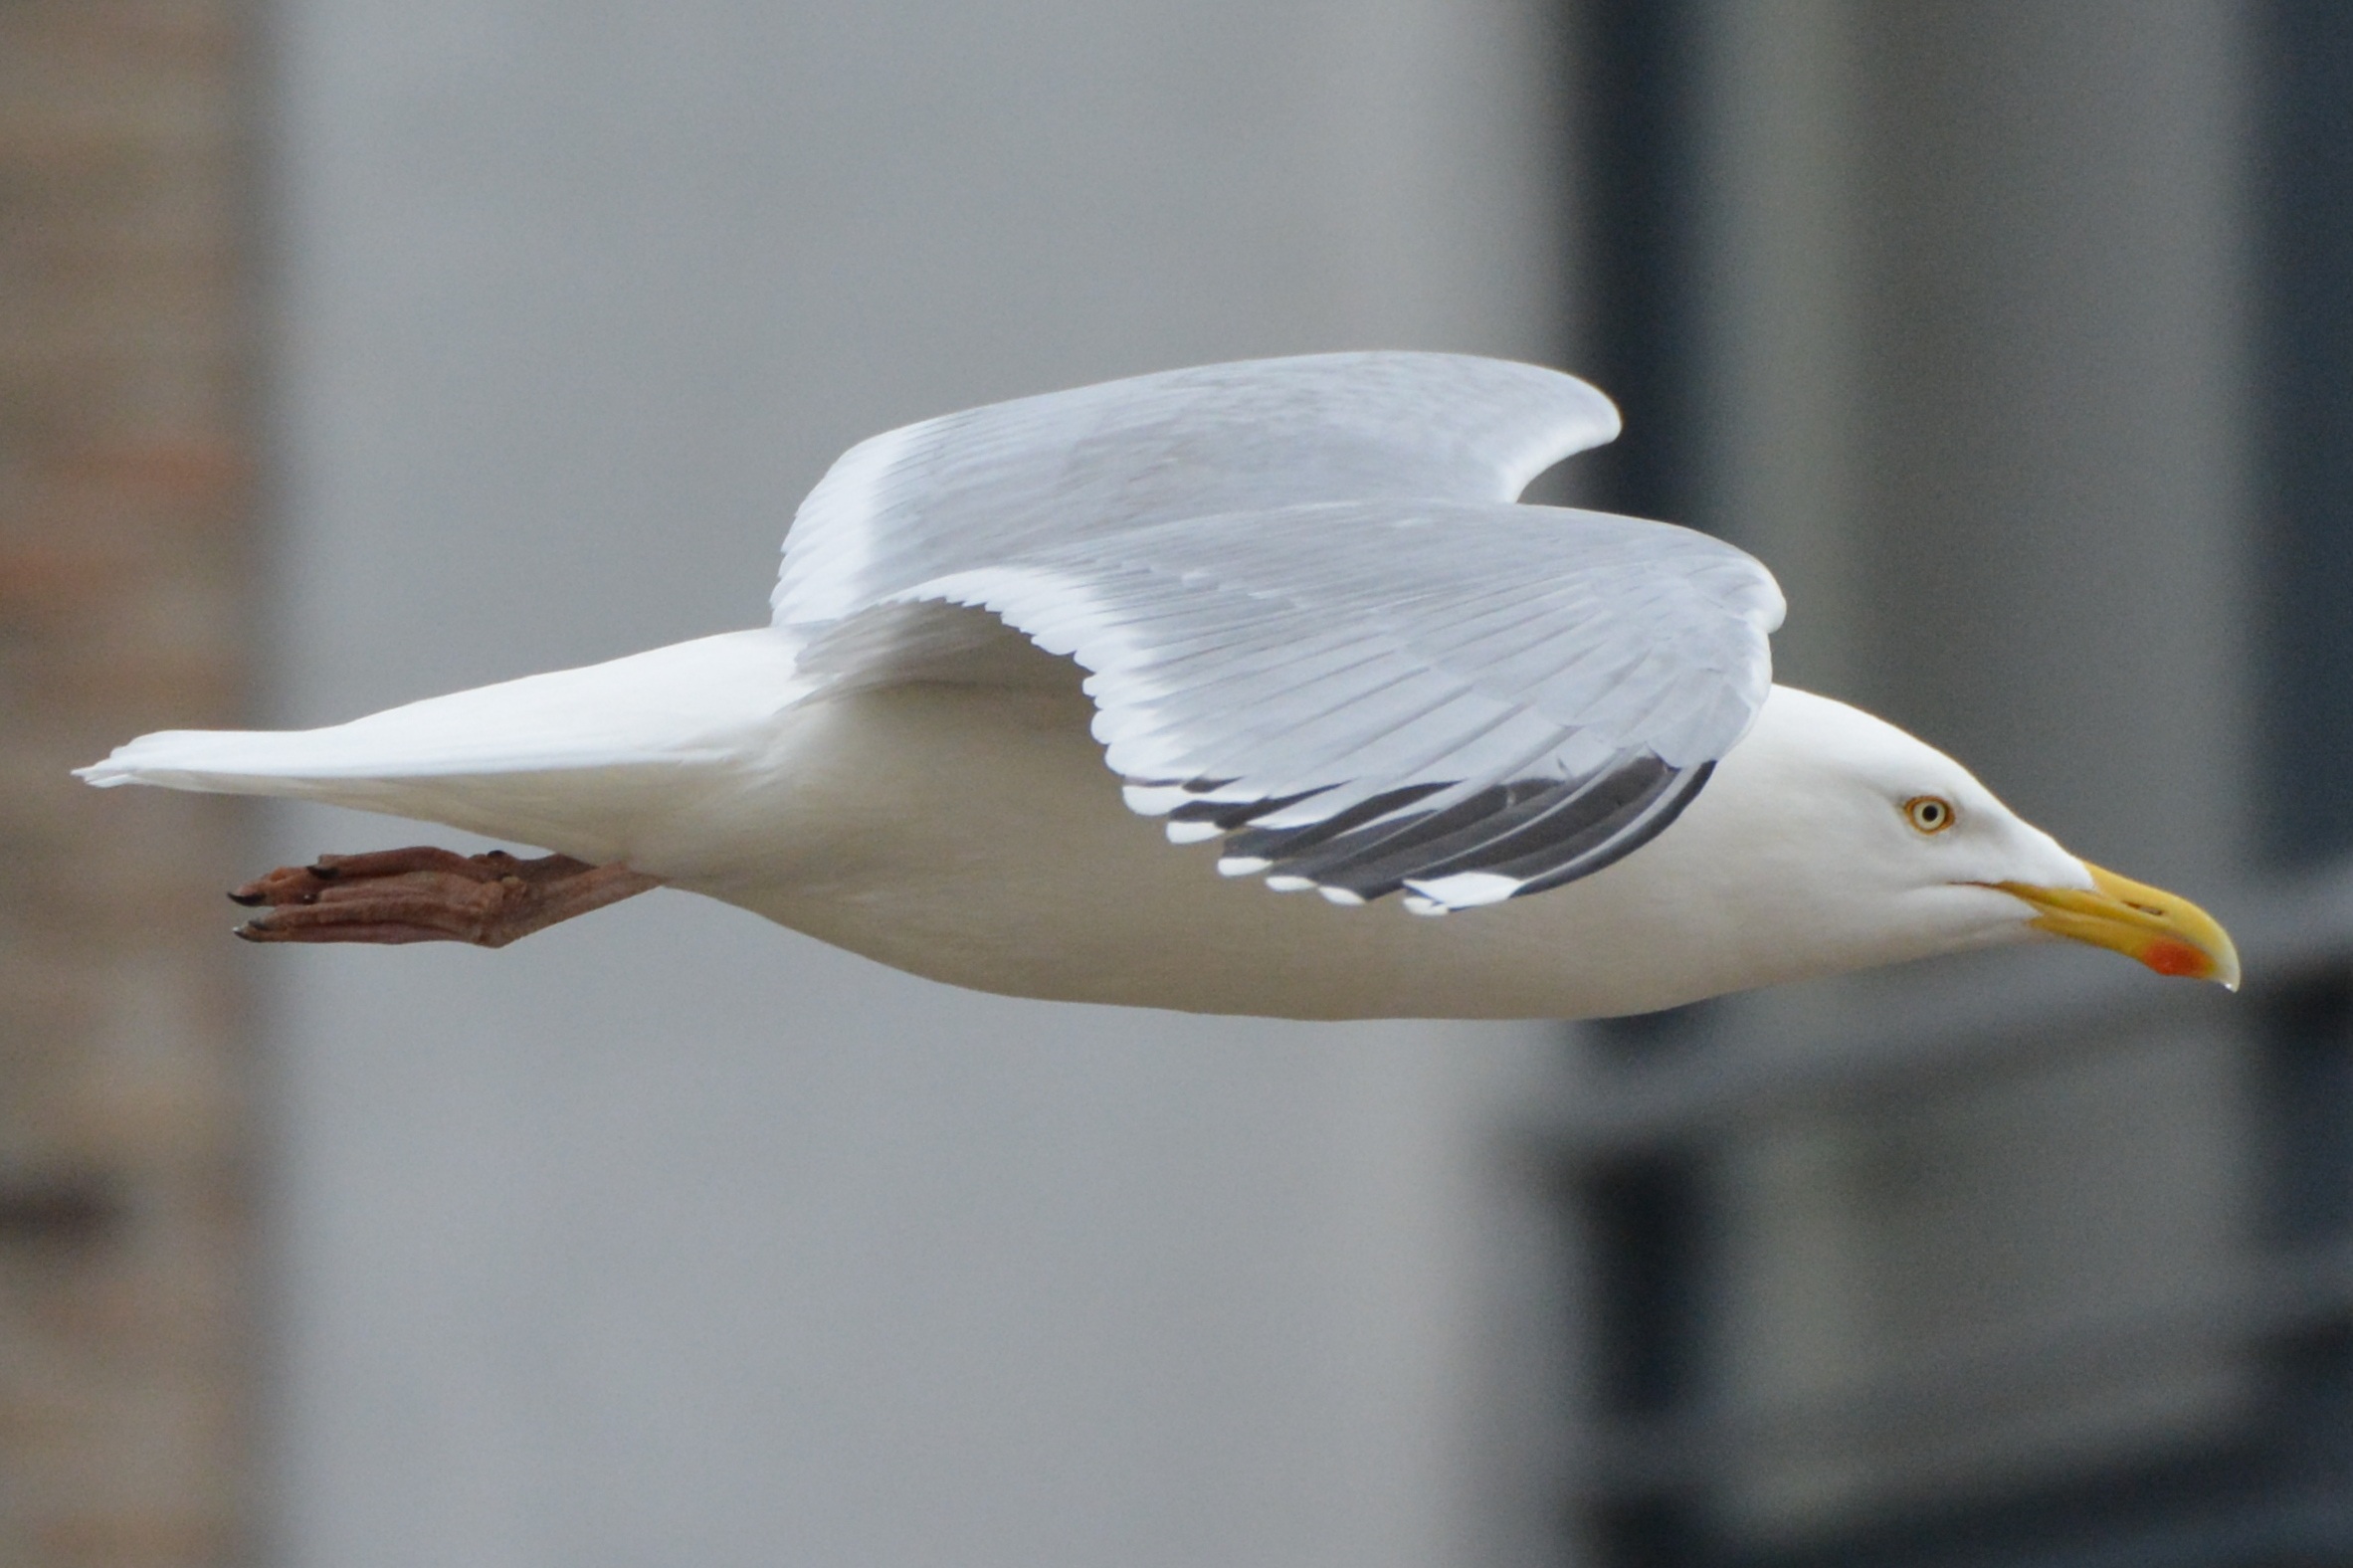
[{"x": 425, "y": 894}]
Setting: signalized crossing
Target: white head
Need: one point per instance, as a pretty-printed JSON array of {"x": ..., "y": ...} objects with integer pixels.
[{"x": 1870, "y": 846}]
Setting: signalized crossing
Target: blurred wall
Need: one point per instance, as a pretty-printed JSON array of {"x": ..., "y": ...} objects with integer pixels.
[
  {"x": 671, "y": 1237},
  {"x": 125, "y": 554}
]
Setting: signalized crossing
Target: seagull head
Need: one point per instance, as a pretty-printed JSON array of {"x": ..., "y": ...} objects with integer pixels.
[{"x": 1883, "y": 847}]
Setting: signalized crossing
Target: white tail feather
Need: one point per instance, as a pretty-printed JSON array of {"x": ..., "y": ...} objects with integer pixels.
[{"x": 560, "y": 759}]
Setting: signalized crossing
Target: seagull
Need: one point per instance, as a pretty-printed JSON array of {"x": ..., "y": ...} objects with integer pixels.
[{"x": 1382, "y": 740}]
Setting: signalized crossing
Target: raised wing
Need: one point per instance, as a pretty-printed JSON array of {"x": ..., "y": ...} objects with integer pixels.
[
  {"x": 977, "y": 488},
  {"x": 1316, "y": 623},
  {"x": 1464, "y": 702}
]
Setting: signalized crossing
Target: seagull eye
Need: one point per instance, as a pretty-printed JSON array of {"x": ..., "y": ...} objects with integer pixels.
[{"x": 1928, "y": 812}]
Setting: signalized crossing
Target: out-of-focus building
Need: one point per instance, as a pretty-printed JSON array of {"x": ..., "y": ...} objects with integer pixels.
[
  {"x": 351, "y": 351},
  {"x": 2017, "y": 340}
]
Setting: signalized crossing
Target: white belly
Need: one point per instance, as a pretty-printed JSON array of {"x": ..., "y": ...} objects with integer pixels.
[{"x": 973, "y": 835}]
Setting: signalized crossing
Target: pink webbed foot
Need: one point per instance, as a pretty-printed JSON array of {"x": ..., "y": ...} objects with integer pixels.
[{"x": 425, "y": 894}]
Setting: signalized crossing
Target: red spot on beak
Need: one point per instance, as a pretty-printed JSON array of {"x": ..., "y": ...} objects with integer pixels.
[{"x": 2177, "y": 958}]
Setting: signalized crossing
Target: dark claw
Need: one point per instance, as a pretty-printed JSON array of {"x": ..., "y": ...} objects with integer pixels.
[
  {"x": 323, "y": 871},
  {"x": 252, "y": 900}
]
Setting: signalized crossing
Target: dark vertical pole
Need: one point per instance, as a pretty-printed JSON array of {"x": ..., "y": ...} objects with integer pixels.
[
  {"x": 1646, "y": 1223},
  {"x": 2307, "y": 1107},
  {"x": 1639, "y": 317},
  {"x": 2304, "y": 201},
  {"x": 2304, "y": 354},
  {"x": 1638, "y": 161},
  {"x": 1645, "y": 1235}
]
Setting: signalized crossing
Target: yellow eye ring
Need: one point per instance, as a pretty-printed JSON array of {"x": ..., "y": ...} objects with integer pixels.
[{"x": 1929, "y": 813}]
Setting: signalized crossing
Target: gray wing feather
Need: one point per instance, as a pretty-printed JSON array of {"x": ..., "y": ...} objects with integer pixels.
[
  {"x": 1462, "y": 701},
  {"x": 1315, "y": 623},
  {"x": 973, "y": 488}
]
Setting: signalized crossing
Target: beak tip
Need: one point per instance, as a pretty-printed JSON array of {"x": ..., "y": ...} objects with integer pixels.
[
  {"x": 2221, "y": 955},
  {"x": 2166, "y": 933}
]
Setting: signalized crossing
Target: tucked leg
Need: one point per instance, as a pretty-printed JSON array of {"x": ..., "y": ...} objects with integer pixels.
[{"x": 425, "y": 894}]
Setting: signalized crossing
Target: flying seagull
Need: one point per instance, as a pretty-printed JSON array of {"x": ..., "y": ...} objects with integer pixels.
[{"x": 1382, "y": 740}]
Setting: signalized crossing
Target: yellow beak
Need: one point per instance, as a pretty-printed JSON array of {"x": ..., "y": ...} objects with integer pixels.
[{"x": 2171, "y": 935}]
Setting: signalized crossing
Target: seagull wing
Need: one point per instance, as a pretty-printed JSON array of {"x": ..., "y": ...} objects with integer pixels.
[
  {"x": 975, "y": 489},
  {"x": 1315, "y": 623}
]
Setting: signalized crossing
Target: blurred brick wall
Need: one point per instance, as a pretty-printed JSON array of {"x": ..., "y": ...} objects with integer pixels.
[{"x": 126, "y": 548}]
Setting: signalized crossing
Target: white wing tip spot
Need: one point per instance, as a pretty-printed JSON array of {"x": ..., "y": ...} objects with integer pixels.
[
  {"x": 1466, "y": 889},
  {"x": 1244, "y": 865},
  {"x": 1289, "y": 883},
  {"x": 1414, "y": 904},
  {"x": 1192, "y": 831},
  {"x": 1343, "y": 895}
]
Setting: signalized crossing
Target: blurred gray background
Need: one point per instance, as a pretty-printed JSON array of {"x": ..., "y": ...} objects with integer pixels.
[{"x": 356, "y": 351}]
